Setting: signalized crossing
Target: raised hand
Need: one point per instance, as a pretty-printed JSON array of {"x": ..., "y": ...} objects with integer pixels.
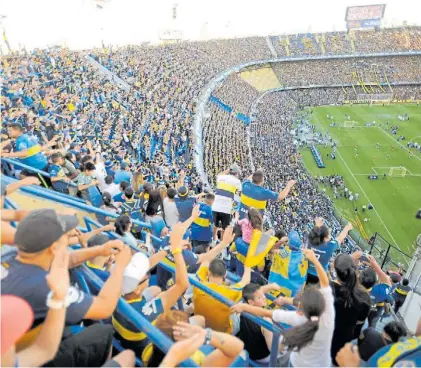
[
  {"x": 228, "y": 235},
  {"x": 58, "y": 279},
  {"x": 310, "y": 255}
]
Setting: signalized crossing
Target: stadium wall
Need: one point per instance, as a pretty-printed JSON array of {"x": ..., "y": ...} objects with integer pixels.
[{"x": 219, "y": 79}]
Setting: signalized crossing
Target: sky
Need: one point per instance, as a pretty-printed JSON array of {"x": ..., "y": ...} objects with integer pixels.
[{"x": 79, "y": 24}]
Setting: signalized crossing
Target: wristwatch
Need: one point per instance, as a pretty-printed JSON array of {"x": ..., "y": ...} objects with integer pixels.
[
  {"x": 54, "y": 304},
  {"x": 208, "y": 336}
]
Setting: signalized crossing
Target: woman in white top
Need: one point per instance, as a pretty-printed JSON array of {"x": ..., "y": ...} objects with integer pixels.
[{"x": 310, "y": 335}]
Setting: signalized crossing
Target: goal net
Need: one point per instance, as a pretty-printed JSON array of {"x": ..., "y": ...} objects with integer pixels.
[{"x": 397, "y": 171}]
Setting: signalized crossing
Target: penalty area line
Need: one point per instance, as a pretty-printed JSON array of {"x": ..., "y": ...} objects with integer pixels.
[{"x": 368, "y": 199}]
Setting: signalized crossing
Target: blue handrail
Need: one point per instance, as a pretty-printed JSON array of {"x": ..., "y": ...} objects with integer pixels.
[
  {"x": 57, "y": 197},
  {"x": 162, "y": 341},
  {"x": 275, "y": 329},
  {"x": 90, "y": 222},
  {"x": 32, "y": 169}
]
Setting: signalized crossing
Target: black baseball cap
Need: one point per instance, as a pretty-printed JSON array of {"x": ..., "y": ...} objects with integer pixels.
[
  {"x": 182, "y": 191},
  {"x": 99, "y": 239},
  {"x": 41, "y": 228}
]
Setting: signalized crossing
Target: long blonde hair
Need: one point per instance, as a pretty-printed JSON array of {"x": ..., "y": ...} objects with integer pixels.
[{"x": 138, "y": 182}]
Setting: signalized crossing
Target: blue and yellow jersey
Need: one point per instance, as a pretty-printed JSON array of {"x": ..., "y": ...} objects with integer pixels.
[
  {"x": 201, "y": 228},
  {"x": 56, "y": 171},
  {"x": 379, "y": 294},
  {"x": 127, "y": 331},
  {"x": 99, "y": 271},
  {"x": 405, "y": 353},
  {"x": 401, "y": 291},
  {"x": 289, "y": 271},
  {"x": 217, "y": 315},
  {"x": 35, "y": 157},
  {"x": 253, "y": 195}
]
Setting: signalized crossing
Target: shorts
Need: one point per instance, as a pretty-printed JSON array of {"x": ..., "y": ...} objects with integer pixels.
[
  {"x": 223, "y": 218},
  {"x": 88, "y": 348}
]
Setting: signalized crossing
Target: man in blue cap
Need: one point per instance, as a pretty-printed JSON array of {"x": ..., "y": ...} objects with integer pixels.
[{"x": 289, "y": 266}]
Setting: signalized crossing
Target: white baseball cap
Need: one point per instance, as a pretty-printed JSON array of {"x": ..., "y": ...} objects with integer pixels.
[{"x": 134, "y": 272}]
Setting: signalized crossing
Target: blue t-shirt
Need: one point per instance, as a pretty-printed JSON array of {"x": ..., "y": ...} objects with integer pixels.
[
  {"x": 379, "y": 293},
  {"x": 56, "y": 171},
  {"x": 100, "y": 272},
  {"x": 163, "y": 276},
  {"x": 118, "y": 197},
  {"x": 323, "y": 253},
  {"x": 184, "y": 207},
  {"x": 201, "y": 228},
  {"x": 253, "y": 195},
  {"x": 29, "y": 283},
  {"x": 122, "y": 175},
  {"x": 35, "y": 158},
  {"x": 158, "y": 224}
]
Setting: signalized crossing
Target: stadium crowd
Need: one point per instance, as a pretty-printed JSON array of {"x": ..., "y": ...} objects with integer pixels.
[{"x": 128, "y": 151}]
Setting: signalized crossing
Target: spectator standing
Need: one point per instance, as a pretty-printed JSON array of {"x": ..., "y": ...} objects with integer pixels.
[
  {"x": 123, "y": 174},
  {"x": 184, "y": 203},
  {"x": 289, "y": 266},
  {"x": 201, "y": 228},
  {"x": 352, "y": 303},
  {"x": 110, "y": 187},
  {"x": 378, "y": 284},
  {"x": 254, "y": 195},
  {"x": 227, "y": 184},
  {"x": 170, "y": 208},
  {"x": 400, "y": 293},
  {"x": 321, "y": 241}
]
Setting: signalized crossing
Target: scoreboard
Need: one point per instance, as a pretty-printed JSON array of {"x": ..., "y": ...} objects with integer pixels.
[{"x": 366, "y": 16}]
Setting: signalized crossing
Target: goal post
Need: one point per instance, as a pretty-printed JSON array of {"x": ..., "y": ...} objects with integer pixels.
[{"x": 398, "y": 171}]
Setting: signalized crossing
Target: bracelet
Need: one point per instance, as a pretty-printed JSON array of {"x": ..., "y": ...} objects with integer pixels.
[{"x": 176, "y": 251}]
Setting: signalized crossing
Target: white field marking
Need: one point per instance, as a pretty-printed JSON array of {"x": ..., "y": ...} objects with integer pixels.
[
  {"x": 368, "y": 199},
  {"x": 400, "y": 144}
]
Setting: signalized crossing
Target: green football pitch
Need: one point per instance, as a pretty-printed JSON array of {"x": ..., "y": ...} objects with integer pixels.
[{"x": 395, "y": 199}]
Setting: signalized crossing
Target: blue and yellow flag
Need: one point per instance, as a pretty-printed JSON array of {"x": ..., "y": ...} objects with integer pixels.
[{"x": 260, "y": 246}]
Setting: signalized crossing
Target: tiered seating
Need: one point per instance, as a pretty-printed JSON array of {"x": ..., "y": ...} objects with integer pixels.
[{"x": 261, "y": 79}]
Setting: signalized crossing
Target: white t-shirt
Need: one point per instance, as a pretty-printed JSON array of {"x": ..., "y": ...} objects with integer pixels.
[
  {"x": 100, "y": 175},
  {"x": 221, "y": 203},
  {"x": 112, "y": 188},
  {"x": 316, "y": 353},
  {"x": 171, "y": 212}
]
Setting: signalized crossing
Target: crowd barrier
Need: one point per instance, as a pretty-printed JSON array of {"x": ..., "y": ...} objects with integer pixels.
[{"x": 206, "y": 93}]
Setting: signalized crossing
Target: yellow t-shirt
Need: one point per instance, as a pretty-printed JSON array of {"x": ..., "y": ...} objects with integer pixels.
[{"x": 217, "y": 315}]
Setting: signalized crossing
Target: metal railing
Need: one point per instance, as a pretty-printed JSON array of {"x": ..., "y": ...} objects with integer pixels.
[{"x": 67, "y": 200}]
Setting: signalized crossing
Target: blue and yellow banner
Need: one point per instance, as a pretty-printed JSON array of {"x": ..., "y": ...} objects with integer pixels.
[{"x": 260, "y": 246}]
